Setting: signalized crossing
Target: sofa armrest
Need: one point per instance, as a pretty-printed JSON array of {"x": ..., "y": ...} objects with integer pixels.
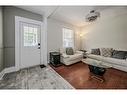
[
  {"x": 88, "y": 52},
  {"x": 79, "y": 52}
]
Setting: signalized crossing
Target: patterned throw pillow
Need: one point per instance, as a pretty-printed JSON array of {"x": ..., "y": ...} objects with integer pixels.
[
  {"x": 119, "y": 54},
  {"x": 106, "y": 52},
  {"x": 95, "y": 51},
  {"x": 69, "y": 51}
]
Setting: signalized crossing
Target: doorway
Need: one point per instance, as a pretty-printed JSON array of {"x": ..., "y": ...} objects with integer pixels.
[{"x": 27, "y": 42}]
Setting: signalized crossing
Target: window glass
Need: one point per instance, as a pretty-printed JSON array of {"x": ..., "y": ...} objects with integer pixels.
[
  {"x": 68, "y": 38},
  {"x": 30, "y": 36}
]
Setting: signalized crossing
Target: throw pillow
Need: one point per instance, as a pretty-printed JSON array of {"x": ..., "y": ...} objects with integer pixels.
[
  {"x": 95, "y": 51},
  {"x": 126, "y": 54},
  {"x": 119, "y": 54},
  {"x": 69, "y": 51},
  {"x": 106, "y": 52}
]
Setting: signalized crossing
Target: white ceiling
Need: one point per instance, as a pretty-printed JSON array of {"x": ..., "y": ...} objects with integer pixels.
[
  {"x": 74, "y": 15},
  {"x": 43, "y": 10}
]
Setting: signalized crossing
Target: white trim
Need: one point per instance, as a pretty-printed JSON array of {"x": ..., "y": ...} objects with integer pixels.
[
  {"x": 17, "y": 60},
  {"x": 44, "y": 42},
  {"x": 1, "y": 74},
  {"x": 17, "y": 41},
  {"x": 7, "y": 70},
  {"x": 10, "y": 69}
]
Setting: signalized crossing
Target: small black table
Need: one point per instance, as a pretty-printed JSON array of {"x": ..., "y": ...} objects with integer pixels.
[{"x": 55, "y": 59}]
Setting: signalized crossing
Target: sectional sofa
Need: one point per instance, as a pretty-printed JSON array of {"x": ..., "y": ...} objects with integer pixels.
[{"x": 114, "y": 58}]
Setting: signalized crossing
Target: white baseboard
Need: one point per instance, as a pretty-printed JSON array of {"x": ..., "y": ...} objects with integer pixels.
[
  {"x": 7, "y": 70},
  {"x": 2, "y": 74}
]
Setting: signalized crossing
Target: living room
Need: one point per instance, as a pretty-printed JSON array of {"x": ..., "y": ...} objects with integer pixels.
[
  {"x": 107, "y": 32},
  {"x": 73, "y": 33}
]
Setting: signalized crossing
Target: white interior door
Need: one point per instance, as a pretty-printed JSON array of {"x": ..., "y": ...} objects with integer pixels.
[{"x": 29, "y": 44}]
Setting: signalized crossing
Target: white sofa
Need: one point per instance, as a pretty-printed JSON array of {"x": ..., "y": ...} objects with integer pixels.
[
  {"x": 120, "y": 64},
  {"x": 71, "y": 59}
]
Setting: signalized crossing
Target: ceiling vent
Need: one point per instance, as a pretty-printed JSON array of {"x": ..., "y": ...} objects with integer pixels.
[{"x": 92, "y": 16}]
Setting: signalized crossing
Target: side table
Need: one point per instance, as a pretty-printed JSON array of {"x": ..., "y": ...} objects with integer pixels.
[
  {"x": 55, "y": 59},
  {"x": 84, "y": 53}
]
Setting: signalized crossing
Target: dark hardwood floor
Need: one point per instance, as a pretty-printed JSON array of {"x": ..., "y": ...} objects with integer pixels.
[{"x": 78, "y": 76}]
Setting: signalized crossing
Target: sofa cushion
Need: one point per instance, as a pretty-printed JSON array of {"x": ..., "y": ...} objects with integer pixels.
[
  {"x": 124, "y": 62},
  {"x": 69, "y": 51},
  {"x": 73, "y": 57},
  {"x": 95, "y": 51},
  {"x": 121, "y": 62},
  {"x": 119, "y": 54},
  {"x": 106, "y": 52},
  {"x": 97, "y": 57},
  {"x": 64, "y": 55}
]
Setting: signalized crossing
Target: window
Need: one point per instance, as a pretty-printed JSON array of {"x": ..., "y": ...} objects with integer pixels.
[
  {"x": 30, "y": 36},
  {"x": 68, "y": 38}
]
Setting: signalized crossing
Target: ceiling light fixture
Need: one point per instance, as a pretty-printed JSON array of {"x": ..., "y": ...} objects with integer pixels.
[{"x": 92, "y": 16}]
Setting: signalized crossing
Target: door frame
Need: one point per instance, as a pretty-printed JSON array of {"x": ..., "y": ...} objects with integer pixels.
[{"x": 43, "y": 42}]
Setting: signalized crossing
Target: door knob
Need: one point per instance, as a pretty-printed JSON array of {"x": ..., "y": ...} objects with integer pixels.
[{"x": 38, "y": 44}]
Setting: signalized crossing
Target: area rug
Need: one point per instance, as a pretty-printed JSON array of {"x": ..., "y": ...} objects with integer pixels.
[{"x": 34, "y": 78}]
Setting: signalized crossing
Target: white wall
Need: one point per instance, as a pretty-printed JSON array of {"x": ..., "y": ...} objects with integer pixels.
[
  {"x": 110, "y": 30},
  {"x": 54, "y": 34},
  {"x": 1, "y": 40}
]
